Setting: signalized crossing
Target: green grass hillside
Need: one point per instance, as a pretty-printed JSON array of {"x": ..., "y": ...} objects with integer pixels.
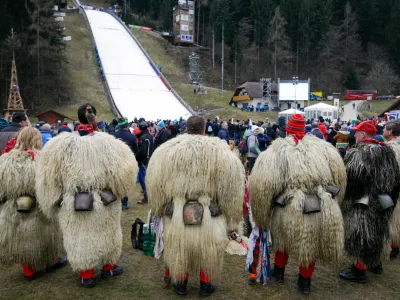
[{"x": 81, "y": 71}]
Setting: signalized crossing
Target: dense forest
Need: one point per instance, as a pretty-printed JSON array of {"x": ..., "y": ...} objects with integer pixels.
[
  {"x": 337, "y": 43},
  {"x": 38, "y": 51}
]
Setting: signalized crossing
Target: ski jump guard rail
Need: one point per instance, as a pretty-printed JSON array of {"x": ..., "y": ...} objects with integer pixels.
[{"x": 132, "y": 82}]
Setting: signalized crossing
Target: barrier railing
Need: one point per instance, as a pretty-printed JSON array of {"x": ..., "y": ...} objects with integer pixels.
[{"x": 107, "y": 91}]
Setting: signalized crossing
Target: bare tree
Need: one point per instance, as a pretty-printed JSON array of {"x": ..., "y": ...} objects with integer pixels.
[
  {"x": 279, "y": 42},
  {"x": 382, "y": 77}
]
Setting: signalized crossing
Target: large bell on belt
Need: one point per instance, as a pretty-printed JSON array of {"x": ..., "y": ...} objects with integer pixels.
[
  {"x": 25, "y": 204},
  {"x": 281, "y": 200},
  {"x": 193, "y": 213},
  {"x": 84, "y": 202},
  {"x": 311, "y": 204},
  {"x": 333, "y": 190},
  {"x": 364, "y": 201},
  {"x": 385, "y": 201},
  {"x": 107, "y": 197}
]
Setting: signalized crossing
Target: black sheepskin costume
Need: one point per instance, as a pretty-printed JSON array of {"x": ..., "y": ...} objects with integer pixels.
[{"x": 371, "y": 169}]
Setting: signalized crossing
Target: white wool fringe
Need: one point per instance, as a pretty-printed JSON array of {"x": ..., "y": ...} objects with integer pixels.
[
  {"x": 94, "y": 163},
  {"x": 28, "y": 238},
  {"x": 296, "y": 170},
  {"x": 192, "y": 167}
]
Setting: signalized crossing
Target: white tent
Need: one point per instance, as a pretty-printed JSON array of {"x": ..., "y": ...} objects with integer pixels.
[
  {"x": 289, "y": 112},
  {"x": 321, "y": 110}
]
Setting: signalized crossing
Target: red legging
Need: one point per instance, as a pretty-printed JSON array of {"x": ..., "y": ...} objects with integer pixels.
[
  {"x": 28, "y": 271},
  {"x": 281, "y": 260},
  {"x": 90, "y": 273},
  {"x": 203, "y": 276}
]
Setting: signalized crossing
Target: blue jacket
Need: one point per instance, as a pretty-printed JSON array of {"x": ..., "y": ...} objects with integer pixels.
[
  {"x": 223, "y": 134},
  {"x": 128, "y": 138},
  {"x": 46, "y": 136}
]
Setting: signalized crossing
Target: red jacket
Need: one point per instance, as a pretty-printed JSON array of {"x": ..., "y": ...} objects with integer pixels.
[{"x": 322, "y": 128}]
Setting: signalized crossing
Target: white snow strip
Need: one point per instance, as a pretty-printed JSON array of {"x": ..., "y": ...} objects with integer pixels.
[{"x": 135, "y": 86}]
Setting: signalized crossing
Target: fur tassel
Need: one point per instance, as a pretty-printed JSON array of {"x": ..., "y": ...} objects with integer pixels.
[
  {"x": 367, "y": 229},
  {"x": 30, "y": 238},
  {"x": 93, "y": 163}
]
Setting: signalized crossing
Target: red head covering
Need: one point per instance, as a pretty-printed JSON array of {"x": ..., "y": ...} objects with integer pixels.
[
  {"x": 367, "y": 127},
  {"x": 296, "y": 126}
]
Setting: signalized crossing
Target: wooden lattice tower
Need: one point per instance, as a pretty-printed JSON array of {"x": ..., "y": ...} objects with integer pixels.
[{"x": 15, "y": 103}]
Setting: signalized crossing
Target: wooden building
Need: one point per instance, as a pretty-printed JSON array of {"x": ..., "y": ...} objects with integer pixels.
[{"x": 52, "y": 117}]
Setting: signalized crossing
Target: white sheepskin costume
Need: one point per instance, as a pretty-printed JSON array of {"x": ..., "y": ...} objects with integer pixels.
[
  {"x": 92, "y": 163},
  {"x": 294, "y": 170},
  {"x": 27, "y": 238},
  {"x": 203, "y": 169}
]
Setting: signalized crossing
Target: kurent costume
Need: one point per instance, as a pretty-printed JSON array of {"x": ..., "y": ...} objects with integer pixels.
[
  {"x": 26, "y": 235},
  {"x": 295, "y": 189},
  {"x": 395, "y": 223},
  {"x": 80, "y": 180},
  {"x": 371, "y": 196},
  {"x": 196, "y": 183}
]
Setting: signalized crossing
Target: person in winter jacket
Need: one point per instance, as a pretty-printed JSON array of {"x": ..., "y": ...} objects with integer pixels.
[
  {"x": 64, "y": 128},
  {"x": 209, "y": 128},
  {"x": 145, "y": 150},
  {"x": 19, "y": 120},
  {"x": 322, "y": 128},
  {"x": 253, "y": 146},
  {"x": 223, "y": 134},
  {"x": 316, "y": 131},
  {"x": 128, "y": 138},
  {"x": 263, "y": 141},
  {"x": 45, "y": 132},
  {"x": 162, "y": 135},
  {"x": 281, "y": 129},
  {"x": 341, "y": 140}
]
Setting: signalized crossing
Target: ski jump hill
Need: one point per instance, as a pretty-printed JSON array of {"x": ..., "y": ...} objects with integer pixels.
[{"x": 133, "y": 84}]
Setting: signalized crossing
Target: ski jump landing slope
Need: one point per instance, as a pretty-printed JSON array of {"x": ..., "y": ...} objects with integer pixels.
[{"x": 136, "y": 87}]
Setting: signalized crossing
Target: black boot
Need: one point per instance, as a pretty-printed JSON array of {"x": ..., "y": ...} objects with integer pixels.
[
  {"x": 354, "y": 274},
  {"x": 88, "y": 283},
  {"x": 304, "y": 284},
  {"x": 110, "y": 273},
  {"x": 377, "y": 269},
  {"x": 181, "y": 288},
  {"x": 61, "y": 262},
  {"x": 278, "y": 274},
  {"x": 206, "y": 289},
  {"x": 394, "y": 253},
  {"x": 167, "y": 281}
]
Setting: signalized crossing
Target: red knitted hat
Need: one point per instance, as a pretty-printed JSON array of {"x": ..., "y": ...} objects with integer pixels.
[
  {"x": 296, "y": 125},
  {"x": 367, "y": 127}
]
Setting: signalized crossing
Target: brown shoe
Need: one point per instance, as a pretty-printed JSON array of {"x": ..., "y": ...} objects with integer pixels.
[{"x": 142, "y": 201}]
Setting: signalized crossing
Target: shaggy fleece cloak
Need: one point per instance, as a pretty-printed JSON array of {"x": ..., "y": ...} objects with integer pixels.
[
  {"x": 196, "y": 168},
  {"x": 293, "y": 171},
  {"x": 30, "y": 238},
  {"x": 93, "y": 163},
  {"x": 395, "y": 223},
  {"x": 371, "y": 170}
]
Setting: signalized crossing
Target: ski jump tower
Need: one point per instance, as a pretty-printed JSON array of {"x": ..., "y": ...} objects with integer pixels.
[{"x": 14, "y": 103}]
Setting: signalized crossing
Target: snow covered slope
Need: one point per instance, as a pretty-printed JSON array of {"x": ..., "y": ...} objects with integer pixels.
[{"x": 136, "y": 87}]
